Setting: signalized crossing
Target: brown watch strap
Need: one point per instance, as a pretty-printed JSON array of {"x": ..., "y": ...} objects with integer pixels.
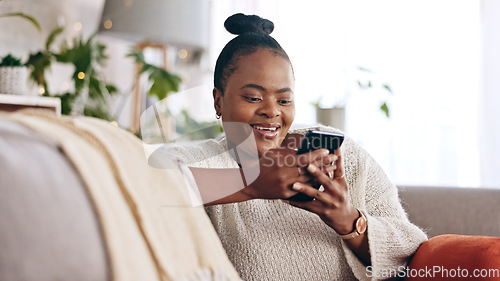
[{"x": 359, "y": 227}]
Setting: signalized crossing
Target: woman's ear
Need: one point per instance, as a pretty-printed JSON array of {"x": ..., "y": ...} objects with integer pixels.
[{"x": 217, "y": 101}]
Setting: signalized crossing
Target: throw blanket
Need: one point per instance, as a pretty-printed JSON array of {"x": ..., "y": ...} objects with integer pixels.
[{"x": 149, "y": 231}]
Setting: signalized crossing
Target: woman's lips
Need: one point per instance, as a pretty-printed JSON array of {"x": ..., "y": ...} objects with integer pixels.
[{"x": 266, "y": 131}]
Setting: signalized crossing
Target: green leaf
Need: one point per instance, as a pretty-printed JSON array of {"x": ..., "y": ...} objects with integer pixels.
[
  {"x": 25, "y": 16},
  {"x": 112, "y": 89},
  {"x": 137, "y": 55},
  {"x": 160, "y": 86},
  {"x": 163, "y": 82},
  {"x": 38, "y": 63},
  {"x": 364, "y": 86},
  {"x": 194, "y": 130},
  {"x": 387, "y": 88},
  {"x": 67, "y": 100},
  {"x": 97, "y": 88},
  {"x": 385, "y": 109},
  {"x": 317, "y": 103},
  {"x": 52, "y": 36},
  {"x": 9, "y": 60},
  {"x": 99, "y": 111},
  {"x": 364, "y": 69},
  {"x": 146, "y": 68}
]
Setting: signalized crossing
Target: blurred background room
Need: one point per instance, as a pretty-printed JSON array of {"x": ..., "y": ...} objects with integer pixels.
[{"x": 417, "y": 82}]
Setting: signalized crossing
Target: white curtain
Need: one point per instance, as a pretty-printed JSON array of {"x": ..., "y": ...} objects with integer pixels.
[
  {"x": 428, "y": 51},
  {"x": 489, "y": 125}
]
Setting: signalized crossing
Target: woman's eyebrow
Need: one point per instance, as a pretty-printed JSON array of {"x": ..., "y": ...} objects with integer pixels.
[
  {"x": 260, "y": 88},
  {"x": 254, "y": 86},
  {"x": 285, "y": 90}
]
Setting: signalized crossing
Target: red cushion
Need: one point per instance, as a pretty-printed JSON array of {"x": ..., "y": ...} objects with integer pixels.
[{"x": 456, "y": 257}]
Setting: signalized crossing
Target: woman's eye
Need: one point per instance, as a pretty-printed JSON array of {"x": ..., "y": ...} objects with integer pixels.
[
  {"x": 252, "y": 99},
  {"x": 285, "y": 102}
]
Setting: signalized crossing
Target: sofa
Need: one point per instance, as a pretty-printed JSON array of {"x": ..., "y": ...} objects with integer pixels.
[
  {"x": 453, "y": 210},
  {"x": 49, "y": 228},
  {"x": 78, "y": 202},
  {"x": 463, "y": 226}
]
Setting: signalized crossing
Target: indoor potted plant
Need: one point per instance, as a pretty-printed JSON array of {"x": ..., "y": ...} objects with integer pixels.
[
  {"x": 13, "y": 76},
  {"x": 90, "y": 92},
  {"x": 13, "y": 73},
  {"x": 334, "y": 115}
]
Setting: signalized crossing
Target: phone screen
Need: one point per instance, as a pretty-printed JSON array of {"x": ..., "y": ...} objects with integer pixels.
[{"x": 315, "y": 139}]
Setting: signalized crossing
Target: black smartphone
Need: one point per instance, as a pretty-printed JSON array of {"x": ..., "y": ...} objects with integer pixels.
[{"x": 313, "y": 140}]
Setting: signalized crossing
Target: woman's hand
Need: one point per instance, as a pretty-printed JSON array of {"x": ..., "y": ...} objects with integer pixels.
[
  {"x": 280, "y": 168},
  {"x": 332, "y": 204}
]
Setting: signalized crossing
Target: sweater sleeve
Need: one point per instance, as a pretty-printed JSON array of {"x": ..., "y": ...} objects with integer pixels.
[{"x": 392, "y": 238}]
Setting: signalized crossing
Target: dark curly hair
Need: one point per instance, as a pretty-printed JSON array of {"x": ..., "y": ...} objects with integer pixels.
[{"x": 253, "y": 34}]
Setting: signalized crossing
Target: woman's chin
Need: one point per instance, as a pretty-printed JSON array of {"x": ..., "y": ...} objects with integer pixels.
[
  {"x": 268, "y": 141},
  {"x": 265, "y": 145}
]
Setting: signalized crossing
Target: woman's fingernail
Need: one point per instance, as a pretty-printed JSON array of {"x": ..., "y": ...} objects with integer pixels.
[
  {"x": 311, "y": 168},
  {"x": 297, "y": 186},
  {"x": 325, "y": 152}
]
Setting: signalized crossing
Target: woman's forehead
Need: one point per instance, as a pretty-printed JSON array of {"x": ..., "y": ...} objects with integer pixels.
[
  {"x": 262, "y": 56},
  {"x": 263, "y": 67}
]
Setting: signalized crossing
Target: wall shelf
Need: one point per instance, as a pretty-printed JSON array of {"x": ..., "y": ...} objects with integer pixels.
[{"x": 15, "y": 102}]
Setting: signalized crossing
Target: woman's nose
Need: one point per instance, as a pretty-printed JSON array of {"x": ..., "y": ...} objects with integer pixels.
[{"x": 269, "y": 108}]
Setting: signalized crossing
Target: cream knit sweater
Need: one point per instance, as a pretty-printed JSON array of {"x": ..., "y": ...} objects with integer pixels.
[{"x": 271, "y": 240}]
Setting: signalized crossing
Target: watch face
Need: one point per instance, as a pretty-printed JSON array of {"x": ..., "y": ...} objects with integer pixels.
[{"x": 361, "y": 224}]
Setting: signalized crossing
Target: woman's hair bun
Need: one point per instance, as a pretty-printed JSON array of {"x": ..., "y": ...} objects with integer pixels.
[{"x": 241, "y": 24}]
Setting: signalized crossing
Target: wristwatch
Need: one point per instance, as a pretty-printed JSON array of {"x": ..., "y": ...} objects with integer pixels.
[{"x": 359, "y": 227}]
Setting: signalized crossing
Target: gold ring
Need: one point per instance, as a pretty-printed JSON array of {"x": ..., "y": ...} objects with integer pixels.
[{"x": 341, "y": 177}]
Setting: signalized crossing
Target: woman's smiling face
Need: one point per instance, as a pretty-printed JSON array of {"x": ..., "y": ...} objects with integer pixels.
[{"x": 260, "y": 93}]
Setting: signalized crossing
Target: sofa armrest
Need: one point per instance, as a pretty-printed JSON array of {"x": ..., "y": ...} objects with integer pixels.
[
  {"x": 48, "y": 227},
  {"x": 456, "y": 257}
]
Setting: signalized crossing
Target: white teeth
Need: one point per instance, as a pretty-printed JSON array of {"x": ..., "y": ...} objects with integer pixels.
[{"x": 265, "y": 129}]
